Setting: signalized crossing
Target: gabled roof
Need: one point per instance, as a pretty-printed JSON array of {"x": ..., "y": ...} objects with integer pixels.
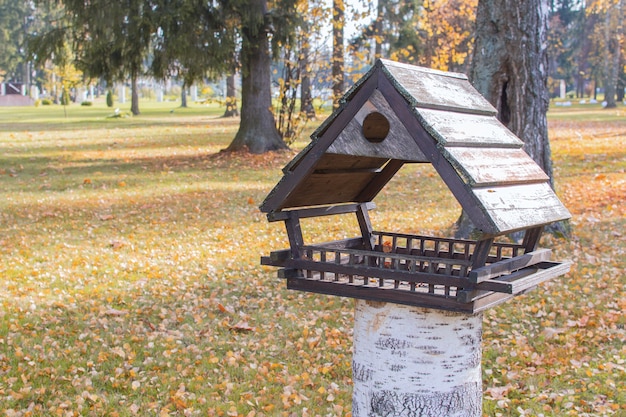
[{"x": 435, "y": 117}]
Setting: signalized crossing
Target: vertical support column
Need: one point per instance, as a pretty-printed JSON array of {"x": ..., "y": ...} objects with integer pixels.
[
  {"x": 365, "y": 225},
  {"x": 531, "y": 238},
  {"x": 413, "y": 361},
  {"x": 481, "y": 253},
  {"x": 294, "y": 233}
]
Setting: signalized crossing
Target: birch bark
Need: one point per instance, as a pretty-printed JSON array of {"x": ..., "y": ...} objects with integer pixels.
[{"x": 416, "y": 362}]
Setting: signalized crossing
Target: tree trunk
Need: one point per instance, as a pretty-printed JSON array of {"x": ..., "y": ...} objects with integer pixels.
[
  {"x": 420, "y": 362},
  {"x": 338, "y": 51},
  {"x": 257, "y": 130},
  {"x": 231, "y": 97},
  {"x": 183, "y": 97},
  {"x": 134, "y": 100},
  {"x": 510, "y": 68},
  {"x": 613, "y": 32},
  {"x": 378, "y": 30},
  {"x": 306, "y": 98},
  {"x": 619, "y": 95}
]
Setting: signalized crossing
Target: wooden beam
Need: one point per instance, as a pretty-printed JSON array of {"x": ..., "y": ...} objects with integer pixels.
[
  {"x": 318, "y": 211},
  {"x": 365, "y": 225},
  {"x": 531, "y": 238},
  {"x": 376, "y": 272},
  {"x": 378, "y": 294},
  {"x": 508, "y": 266},
  {"x": 294, "y": 232},
  {"x": 481, "y": 253},
  {"x": 380, "y": 180}
]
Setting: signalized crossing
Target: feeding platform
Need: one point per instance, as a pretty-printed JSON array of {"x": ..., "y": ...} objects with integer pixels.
[{"x": 400, "y": 114}]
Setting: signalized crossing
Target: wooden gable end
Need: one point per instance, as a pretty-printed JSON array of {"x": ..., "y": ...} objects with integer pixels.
[
  {"x": 315, "y": 177},
  {"x": 396, "y": 145}
]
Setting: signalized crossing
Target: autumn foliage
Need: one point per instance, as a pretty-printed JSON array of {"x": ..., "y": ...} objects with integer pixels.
[{"x": 131, "y": 284}]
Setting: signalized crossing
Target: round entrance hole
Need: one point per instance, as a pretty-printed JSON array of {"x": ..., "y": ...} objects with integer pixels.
[{"x": 375, "y": 127}]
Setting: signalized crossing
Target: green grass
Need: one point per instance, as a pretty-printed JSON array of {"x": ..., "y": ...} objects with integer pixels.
[{"x": 131, "y": 284}]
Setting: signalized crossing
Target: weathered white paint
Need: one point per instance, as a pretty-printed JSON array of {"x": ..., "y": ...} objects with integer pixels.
[{"x": 417, "y": 362}]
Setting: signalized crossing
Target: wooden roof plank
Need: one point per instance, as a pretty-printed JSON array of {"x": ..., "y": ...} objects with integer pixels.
[
  {"x": 451, "y": 128},
  {"x": 521, "y": 206},
  {"x": 434, "y": 89},
  {"x": 493, "y": 166}
]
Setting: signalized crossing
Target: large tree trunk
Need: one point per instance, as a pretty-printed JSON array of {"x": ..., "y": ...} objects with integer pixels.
[
  {"x": 613, "y": 33},
  {"x": 306, "y": 98},
  {"x": 411, "y": 361},
  {"x": 257, "y": 130},
  {"x": 338, "y": 51},
  {"x": 231, "y": 97},
  {"x": 510, "y": 68},
  {"x": 183, "y": 97},
  {"x": 134, "y": 101}
]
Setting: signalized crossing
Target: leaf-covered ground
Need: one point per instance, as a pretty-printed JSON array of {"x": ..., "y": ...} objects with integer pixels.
[{"x": 131, "y": 285}]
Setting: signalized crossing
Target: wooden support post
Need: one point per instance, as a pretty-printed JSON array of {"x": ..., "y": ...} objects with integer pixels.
[
  {"x": 366, "y": 226},
  {"x": 413, "y": 361},
  {"x": 481, "y": 253},
  {"x": 531, "y": 238},
  {"x": 294, "y": 232}
]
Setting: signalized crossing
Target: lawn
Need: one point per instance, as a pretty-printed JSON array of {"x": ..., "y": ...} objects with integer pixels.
[{"x": 131, "y": 284}]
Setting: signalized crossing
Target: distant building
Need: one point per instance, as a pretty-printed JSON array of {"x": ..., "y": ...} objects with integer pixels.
[{"x": 14, "y": 94}]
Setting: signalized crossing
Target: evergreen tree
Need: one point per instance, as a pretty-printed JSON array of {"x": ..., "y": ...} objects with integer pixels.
[
  {"x": 192, "y": 39},
  {"x": 111, "y": 40},
  {"x": 257, "y": 130}
]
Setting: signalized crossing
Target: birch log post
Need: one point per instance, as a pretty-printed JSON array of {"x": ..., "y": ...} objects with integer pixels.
[{"x": 417, "y": 362}]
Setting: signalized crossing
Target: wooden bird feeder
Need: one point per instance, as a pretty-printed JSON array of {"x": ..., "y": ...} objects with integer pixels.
[{"x": 400, "y": 114}]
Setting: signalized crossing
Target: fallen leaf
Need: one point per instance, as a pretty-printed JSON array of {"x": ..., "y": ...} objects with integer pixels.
[
  {"x": 115, "y": 312},
  {"x": 242, "y": 326}
]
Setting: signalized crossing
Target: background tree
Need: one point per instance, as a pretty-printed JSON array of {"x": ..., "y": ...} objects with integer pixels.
[
  {"x": 191, "y": 40},
  {"x": 338, "y": 23},
  {"x": 110, "y": 40},
  {"x": 509, "y": 67},
  {"x": 392, "y": 33},
  {"x": 608, "y": 38},
  {"x": 16, "y": 19},
  {"x": 446, "y": 31},
  {"x": 305, "y": 59},
  {"x": 257, "y": 130},
  {"x": 432, "y": 34},
  {"x": 231, "y": 96}
]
